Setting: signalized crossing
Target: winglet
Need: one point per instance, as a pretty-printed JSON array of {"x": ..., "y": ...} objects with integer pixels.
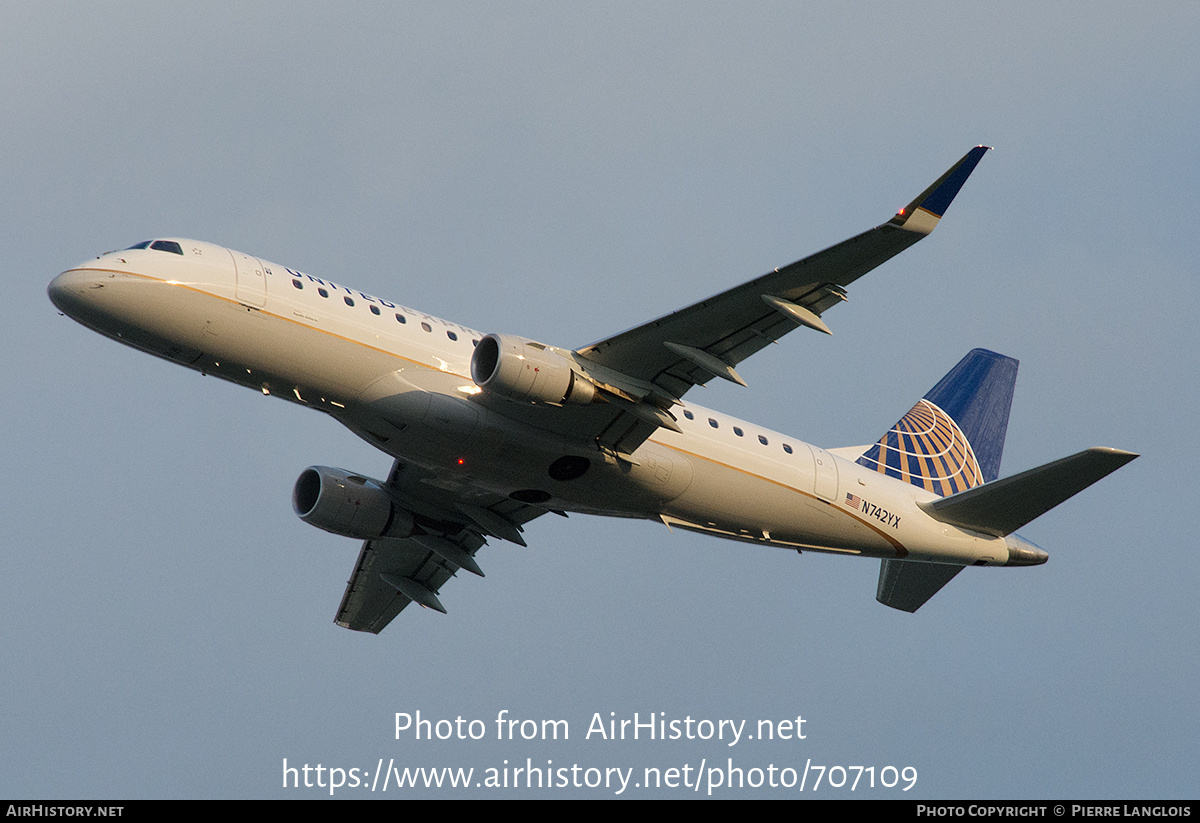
[{"x": 922, "y": 214}]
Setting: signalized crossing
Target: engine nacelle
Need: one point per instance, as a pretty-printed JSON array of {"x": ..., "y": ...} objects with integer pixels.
[
  {"x": 348, "y": 504},
  {"x": 528, "y": 371}
]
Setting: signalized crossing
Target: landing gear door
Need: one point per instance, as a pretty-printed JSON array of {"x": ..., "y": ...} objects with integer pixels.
[{"x": 251, "y": 280}]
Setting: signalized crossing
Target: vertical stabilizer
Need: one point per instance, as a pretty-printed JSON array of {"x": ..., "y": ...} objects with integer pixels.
[{"x": 952, "y": 439}]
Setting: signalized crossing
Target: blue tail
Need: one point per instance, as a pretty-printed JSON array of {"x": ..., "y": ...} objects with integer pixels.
[{"x": 952, "y": 439}]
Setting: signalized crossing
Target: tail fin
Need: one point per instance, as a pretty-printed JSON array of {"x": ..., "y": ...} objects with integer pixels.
[{"x": 952, "y": 439}]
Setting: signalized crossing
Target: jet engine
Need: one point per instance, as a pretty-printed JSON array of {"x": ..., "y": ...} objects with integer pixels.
[
  {"x": 347, "y": 504},
  {"x": 528, "y": 371}
]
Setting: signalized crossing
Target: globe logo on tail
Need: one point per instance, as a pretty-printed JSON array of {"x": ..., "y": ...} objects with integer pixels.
[{"x": 928, "y": 449}]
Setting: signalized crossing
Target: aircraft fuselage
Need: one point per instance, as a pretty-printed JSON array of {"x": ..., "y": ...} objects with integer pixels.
[{"x": 401, "y": 379}]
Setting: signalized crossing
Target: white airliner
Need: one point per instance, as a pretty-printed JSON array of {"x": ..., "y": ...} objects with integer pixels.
[{"x": 489, "y": 431}]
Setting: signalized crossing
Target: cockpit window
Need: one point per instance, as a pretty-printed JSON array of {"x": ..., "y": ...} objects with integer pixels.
[{"x": 158, "y": 245}]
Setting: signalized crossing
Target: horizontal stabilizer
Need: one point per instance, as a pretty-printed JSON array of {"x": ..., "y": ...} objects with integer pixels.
[
  {"x": 906, "y": 585},
  {"x": 1003, "y": 506}
]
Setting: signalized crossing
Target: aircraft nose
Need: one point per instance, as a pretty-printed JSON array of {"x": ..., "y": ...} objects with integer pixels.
[
  {"x": 68, "y": 289},
  {"x": 1023, "y": 553},
  {"x": 82, "y": 294}
]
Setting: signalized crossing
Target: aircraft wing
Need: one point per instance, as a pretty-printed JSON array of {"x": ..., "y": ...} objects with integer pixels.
[
  {"x": 391, "y": 573},
  {"x": 709, "y": 338}
]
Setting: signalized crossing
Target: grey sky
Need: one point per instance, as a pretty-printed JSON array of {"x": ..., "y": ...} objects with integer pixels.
[{"x": 563, "y": 173}]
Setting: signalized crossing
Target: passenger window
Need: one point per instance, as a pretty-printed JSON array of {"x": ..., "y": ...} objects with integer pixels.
[
  {"x": 737, "y": 431},
  {"x": 400, "y": 318},
  {"x": 787, "y": 448},
  {"x": 297, "y": 284},
  {"x": 762, "y": 440},
  {"x": 688, "y": 415},
  {"x": 712, "y": 422},
  {"x": 452, "y": 335},
  {"x": 349, "y": 301},
  {"x": 322, "y": 292},
  {"x": 375, "y": 310},
  {"x": 426, "y": 327}
]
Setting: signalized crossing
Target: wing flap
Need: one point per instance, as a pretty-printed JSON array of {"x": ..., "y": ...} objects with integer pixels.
[{"x": 370, "y": 601}]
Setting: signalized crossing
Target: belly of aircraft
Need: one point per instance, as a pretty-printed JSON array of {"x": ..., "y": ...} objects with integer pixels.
[
  {"x": 732, "y": 502},
  {"x": 428, "y": 418}
]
